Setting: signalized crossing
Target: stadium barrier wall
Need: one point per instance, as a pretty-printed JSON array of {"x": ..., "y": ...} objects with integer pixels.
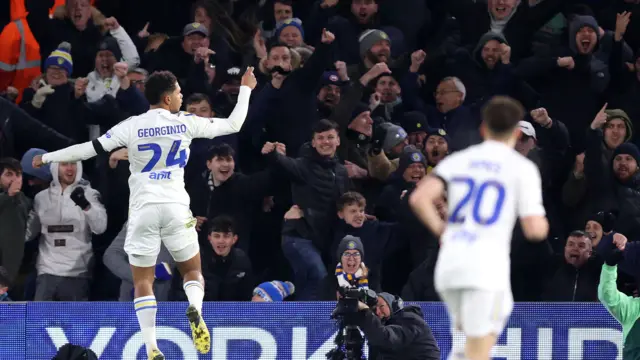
[{"x": 287, "y": 331}]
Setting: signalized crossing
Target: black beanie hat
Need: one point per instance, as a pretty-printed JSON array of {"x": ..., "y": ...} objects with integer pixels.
[
  {"x": 411, "y": 155},
  {"x": 628, "y": 149},
  {"x": 350, "y": 242}
]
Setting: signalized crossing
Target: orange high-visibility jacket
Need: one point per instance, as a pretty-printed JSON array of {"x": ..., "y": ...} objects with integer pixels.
[{"x": 19, "y": 51}]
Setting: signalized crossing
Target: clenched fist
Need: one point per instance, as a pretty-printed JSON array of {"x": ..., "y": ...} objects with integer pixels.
[
  {"x": 120, "y": 69},
  {"x": 417, "y": 58},
  {"x": 268, "y": 147},
  {"x": 111, "y": 23},
  {"x": 80, "y": 87},
  {"x": 541, "y": 117},
  {"x": 566, "y": 62}
]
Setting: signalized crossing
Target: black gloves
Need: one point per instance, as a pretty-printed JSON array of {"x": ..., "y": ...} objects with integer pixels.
[
  {"x": 377, "y": 140},
  {"x": 78, "y": 197}
]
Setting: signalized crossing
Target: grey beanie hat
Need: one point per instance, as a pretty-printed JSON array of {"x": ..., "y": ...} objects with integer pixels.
[
  {"x": 395, "y": 303},
  {"x": 388, "y": 298},
  {"x": 350, "y": 242},
  {"x": 395, "y": 135},
  {"x": 369, "y": 37}
]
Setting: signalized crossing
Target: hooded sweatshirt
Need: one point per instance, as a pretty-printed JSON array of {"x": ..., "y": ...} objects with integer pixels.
[
  {"x": 65, "y": 240},
  {"x": 597, "y": 69}
]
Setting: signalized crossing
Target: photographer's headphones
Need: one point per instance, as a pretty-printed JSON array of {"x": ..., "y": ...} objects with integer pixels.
[{"x": 395, "y": 302}]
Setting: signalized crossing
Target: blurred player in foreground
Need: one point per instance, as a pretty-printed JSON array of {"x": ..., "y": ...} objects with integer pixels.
[
  {"x": 487, "y": 187},
  {"x": 158, "y": 148}
]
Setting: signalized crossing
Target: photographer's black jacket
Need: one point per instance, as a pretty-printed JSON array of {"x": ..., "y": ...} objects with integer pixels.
[{"x": 404, "y": 336}]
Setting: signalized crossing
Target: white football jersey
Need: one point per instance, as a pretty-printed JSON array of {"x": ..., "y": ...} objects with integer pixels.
[
  {"x": 158, "y": 149},
  {"x": 488, "y": 186}
]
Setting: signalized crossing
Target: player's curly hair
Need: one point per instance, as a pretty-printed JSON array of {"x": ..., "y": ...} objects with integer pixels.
[{"x": 158, "y": 85}]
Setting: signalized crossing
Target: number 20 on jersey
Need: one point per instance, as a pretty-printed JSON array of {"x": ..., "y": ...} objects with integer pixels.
[{"x": 474, "y": 196}]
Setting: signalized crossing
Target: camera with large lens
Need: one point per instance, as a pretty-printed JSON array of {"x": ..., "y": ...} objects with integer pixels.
[
  {"x": 349, "y": 298},
  {"x": 349, "y": 342}
]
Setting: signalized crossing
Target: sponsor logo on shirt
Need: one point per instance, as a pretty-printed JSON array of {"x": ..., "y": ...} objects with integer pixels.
[{"x": 160, "y": 175}]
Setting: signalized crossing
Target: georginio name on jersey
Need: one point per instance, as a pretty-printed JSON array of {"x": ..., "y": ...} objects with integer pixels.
[{"x": 162, "y": 130}]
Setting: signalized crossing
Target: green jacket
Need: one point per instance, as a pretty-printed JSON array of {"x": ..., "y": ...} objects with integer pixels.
[{"x": 625, "y": 309}]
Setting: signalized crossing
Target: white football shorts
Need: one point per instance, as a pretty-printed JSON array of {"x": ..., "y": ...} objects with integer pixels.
[
  {"x": 478, "y": 312},
  {"x": 154, "y": 224}
]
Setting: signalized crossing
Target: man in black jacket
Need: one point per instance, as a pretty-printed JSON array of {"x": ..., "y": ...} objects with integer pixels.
[
  {"x": 317, "y": 182},
  {"x": 227, "y": 271},
  {"x": 397, "y": 331}
]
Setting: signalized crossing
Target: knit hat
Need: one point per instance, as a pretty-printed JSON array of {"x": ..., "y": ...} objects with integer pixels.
[
  {"x": 331, "y": 78},
  {"x": 410, "y": 155},
  {"x": 395, "y": 303},
  {"x": 61, "y": 57},
  {"x": 628, "y": 149},
  {"x": 109, "y": 43},
  {"x": 350, "y": 242},
  {"x": 295, "y": 22},
  {"x": 622, "y": 115},
  {"x": 360, "y": 108},
  {"x": 394, "y": 136},
  {"x": 369, "y": 37},
  {"x": 438, "y": 132},
  {"x": 195, "y": 28},
  {"x": 414, "y": 121},
  {"x": 43, "y": 173},
  {"x": 274, "y": 290},
  {"x": 606, "y": 219}
]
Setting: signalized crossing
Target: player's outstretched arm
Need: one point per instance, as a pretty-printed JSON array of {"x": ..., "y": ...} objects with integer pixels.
[
  {"x": 219, "y": 127},
  {"x": 422, "y": 201},
  {"x": 530, "y": 206},
  {"x": 535, "y": 227},
  {"x": 112, "y": 139},
  {"x": 73, "y": 153}
]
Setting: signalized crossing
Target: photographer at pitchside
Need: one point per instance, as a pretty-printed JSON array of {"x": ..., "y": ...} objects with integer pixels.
[{"x": 396, "y": 331}]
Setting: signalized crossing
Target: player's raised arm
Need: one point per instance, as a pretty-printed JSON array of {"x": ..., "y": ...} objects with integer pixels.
[
  {"x": 422, "y": 201},
  {"x": 530, "y": 208},
  {"x": 219, "y": 127}
]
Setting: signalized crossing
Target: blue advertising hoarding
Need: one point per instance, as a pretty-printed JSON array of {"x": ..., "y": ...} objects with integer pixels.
[{"x": 287, "y": 331}]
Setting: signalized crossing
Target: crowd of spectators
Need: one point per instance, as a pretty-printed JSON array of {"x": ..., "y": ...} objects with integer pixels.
[{"x": 357, "y": 101}]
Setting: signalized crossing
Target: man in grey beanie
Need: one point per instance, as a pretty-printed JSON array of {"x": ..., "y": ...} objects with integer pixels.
[
  {"x": 375, "y": 47},
  {"x": 393, "y": 140}
]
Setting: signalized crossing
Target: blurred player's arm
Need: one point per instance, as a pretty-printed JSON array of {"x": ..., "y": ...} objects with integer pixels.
[
  {"x": 530, "y": 207},
  {"x": 422, "y": 201},
  {"x": 212, "y": 127},
  {"x": 114, "y": 138}
]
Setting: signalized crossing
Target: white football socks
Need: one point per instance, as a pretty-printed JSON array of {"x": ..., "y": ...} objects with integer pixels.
[
  {"x": 146, "y": 308},
  {"x": 195, "y": 294}
]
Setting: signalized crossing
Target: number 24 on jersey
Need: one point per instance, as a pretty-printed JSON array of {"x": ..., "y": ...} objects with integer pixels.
[{"x": 171, "y": 160}]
